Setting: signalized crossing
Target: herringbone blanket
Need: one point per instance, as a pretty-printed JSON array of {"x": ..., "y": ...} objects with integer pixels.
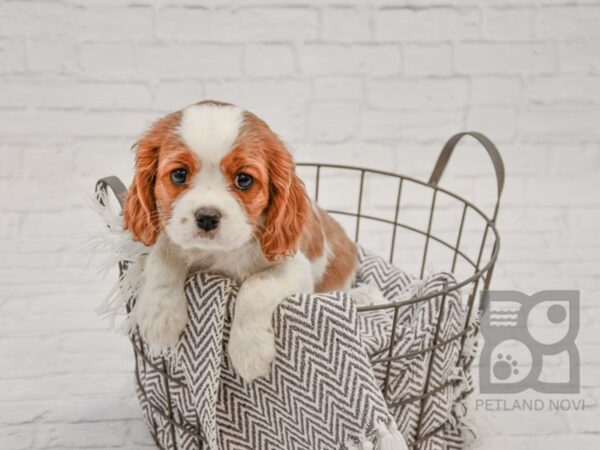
[{"x": 325, "y": 387}]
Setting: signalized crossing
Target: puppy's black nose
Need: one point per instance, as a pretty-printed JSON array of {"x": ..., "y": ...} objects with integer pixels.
[{"x": 207, "y": 219}]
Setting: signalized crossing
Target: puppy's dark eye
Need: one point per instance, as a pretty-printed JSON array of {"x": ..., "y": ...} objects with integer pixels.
[
  {"x": 243, "y": 181},
  {"x": 179, "y": 176}
]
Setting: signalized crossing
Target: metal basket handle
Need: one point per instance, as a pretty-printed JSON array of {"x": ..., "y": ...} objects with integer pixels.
[
  {"x": 116, "y": 186},
  {"x": 493, "y": 152}
]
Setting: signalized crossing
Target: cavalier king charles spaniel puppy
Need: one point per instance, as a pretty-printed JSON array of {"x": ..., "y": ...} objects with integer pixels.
[{"x": 215, "y": 190}]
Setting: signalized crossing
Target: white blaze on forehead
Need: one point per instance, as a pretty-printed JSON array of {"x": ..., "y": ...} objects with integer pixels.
[{"x": 210, "y": 130}]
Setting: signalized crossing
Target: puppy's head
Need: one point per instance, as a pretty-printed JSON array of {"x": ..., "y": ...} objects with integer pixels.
[{"x": 215, "y": 177}]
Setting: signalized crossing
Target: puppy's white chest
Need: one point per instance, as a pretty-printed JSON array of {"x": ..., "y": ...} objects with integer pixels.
[{"x": 236, "y": 264}]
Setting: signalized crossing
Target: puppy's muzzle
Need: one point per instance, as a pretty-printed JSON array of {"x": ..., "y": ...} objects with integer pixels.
[{"x": 207, "y": 219}]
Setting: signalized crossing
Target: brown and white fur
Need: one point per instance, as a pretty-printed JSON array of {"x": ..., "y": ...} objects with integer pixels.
[{"x": 269, "y": 237}]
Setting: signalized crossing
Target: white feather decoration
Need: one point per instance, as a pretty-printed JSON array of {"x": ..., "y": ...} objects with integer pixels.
[{"x": 118, "y": 244}]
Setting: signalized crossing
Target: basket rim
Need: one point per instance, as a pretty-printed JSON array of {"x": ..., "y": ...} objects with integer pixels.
[{"x": 405, "y": 177}]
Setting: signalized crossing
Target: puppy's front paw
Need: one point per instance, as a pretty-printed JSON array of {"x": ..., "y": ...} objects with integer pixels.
[
  {"x": 252, "y": 350},
  {"x": 161, "y": 317}
]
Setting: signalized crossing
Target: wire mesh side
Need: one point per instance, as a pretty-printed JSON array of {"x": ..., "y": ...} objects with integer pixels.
[{"x": 481, "y": 274}]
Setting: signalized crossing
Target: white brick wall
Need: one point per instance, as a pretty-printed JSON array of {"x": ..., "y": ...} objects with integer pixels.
[{"x": 377, "y": 83}]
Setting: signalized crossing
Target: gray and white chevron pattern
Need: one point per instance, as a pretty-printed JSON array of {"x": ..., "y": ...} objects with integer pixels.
[{"x": 323, "y": 390}]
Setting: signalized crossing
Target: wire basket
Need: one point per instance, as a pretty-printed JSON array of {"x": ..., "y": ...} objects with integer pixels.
[{"x": 467, "y": 247}]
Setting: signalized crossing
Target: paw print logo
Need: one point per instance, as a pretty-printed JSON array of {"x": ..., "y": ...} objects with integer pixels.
[
  {"x": 522, "y": 331},
  {"x": 505, "y": 367}
]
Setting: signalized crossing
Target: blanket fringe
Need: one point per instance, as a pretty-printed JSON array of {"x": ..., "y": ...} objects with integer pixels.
[
  {"x": 366, "y": 443},
  {"x": 352, "y": 446},
  {"x": 363, "y": 444},
  {"x": 386, "y": 437},
  {"x": 389, "y": 438}
]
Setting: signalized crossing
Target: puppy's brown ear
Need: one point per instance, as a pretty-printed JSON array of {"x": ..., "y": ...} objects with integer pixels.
[
  {"x": 288, "y": 205},
  {"x": 140, "y": 213}
]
